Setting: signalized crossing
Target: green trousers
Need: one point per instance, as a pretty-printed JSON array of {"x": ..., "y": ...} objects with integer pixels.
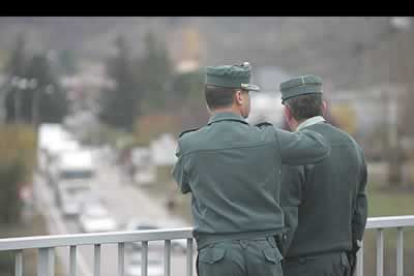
[
  {"x": 330, "y": 264},
  {"x": 255, "y": 257}
]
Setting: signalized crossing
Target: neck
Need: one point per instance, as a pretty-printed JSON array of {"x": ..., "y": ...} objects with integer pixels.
[
  {"x": 295, "y": 123},
  {"x": 231, "y": 109}
]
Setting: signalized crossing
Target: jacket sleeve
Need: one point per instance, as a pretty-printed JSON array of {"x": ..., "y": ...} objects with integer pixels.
[
  {"x": 359, "y": 218},
  {"x": 290, "y": 198},
  {"x": 302, "y": 147},
  {"x": 179, "y": 174}
]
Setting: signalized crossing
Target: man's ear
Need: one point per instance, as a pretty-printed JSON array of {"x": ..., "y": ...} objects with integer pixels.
[
  {"x": 288, "y": 113},
  {"x": 324, "y": 107},
  {"x": 239, "y": 97}
]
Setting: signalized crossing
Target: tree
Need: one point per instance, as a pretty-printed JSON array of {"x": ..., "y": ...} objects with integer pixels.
[
  {"x": 119, "y": 105},
  {"x": 46, "y": 102},
  {"x": 15, "y": 67},
  {"x": 41, "y": 98},
  {"x": 67, "y": 62},
  {"x": 189, "y": 85},
  {"x": 155, "y": 73}
]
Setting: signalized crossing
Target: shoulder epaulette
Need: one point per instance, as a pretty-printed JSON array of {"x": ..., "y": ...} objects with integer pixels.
[
  {"x": 263, "y": 124},
  {"x": 187, "y": 131}
]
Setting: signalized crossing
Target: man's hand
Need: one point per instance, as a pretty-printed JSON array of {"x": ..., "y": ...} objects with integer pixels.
[{"x": 352, "y": 256}]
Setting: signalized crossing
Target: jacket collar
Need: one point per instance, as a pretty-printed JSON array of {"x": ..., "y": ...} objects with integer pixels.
[
  {"x": 310, "y": 121},
  {"x": 226, "y": 116}
]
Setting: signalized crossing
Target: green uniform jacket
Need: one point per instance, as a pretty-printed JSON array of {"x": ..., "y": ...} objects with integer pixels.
[
  {"x": 325, "y": 204},
  {"x": 232, "y": 170}
]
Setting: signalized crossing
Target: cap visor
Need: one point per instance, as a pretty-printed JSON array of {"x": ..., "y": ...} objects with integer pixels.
[{"x": 251, "y": 87}]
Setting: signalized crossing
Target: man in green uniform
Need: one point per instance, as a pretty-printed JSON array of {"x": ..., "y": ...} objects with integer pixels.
[
  {"x": 325, "y": 204},
  {"x": 228, "y": 166}
]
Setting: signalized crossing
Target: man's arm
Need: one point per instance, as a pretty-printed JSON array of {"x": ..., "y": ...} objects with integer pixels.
[
  {"x": 290, "y": 199},
  {"x": 179, "y": 173},
  {"x": 302, "y": 147},
  {"x": 359, "y": 218}
]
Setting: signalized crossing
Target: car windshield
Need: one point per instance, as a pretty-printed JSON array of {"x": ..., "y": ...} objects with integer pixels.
[
  {"x": 96, "y": 212},
  {"x": 77, "y": 190},
  {"x": 80, "y": 174},
  {"x": 146, "y": 227}
]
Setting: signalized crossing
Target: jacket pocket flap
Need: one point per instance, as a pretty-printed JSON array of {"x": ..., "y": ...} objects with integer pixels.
[
  {"x": 211, "y": 255},
  {"x": 272, "y": 255}
]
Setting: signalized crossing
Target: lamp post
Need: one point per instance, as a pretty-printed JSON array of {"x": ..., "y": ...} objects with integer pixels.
[
  {"x": 35, "y": 101},
  {"x": 21, "y": 84},
  {"x": 8, "y": 87}
]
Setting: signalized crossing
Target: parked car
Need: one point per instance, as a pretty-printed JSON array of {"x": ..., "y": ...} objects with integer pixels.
[
  {"x": 154, "y": 265},
  {"x": 96, "y": 218}
]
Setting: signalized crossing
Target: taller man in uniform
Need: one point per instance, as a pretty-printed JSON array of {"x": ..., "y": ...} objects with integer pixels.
[
  {"x": 228, "y": 166},
  {"x": 325, "y": 204}
]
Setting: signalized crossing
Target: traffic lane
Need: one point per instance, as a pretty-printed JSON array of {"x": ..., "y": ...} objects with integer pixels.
[
  {"x": 56, "y": 225},
  {"x": 59, "y": 224},
  {"x": 109, "y": 254},
  {"x": 126, "y": 202}
]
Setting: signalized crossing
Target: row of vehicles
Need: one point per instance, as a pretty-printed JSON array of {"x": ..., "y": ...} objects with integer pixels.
[
  {"x": 70, "y": 170},
  {"x": 155, "y": 265}
]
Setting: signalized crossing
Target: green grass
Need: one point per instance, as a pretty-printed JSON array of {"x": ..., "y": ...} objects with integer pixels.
[{"x": 389, "y": 202}]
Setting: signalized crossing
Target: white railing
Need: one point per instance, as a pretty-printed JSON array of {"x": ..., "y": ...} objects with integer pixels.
[
  {"x": 47, "y": 244},
  {"x": 379, "y": 224}
]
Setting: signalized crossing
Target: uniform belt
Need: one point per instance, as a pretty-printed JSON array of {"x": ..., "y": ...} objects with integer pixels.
[
  {"x": 269, "y": 239},
  {"x": 303, "y": 257}
]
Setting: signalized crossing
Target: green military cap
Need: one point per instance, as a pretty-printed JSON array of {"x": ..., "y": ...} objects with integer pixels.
[
  {"x": 231, "y": 76},
  {"x": 306, "y": 84}
]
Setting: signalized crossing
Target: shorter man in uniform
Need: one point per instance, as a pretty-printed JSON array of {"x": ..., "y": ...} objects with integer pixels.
[
  {"x": 325, "y": 204},
  {"x": 232, "y": 170}
]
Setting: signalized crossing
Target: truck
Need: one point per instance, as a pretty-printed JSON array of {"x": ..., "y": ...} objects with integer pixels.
[
  {"x": 72, "y": 175},
  {"x": 52, "y": 140}
]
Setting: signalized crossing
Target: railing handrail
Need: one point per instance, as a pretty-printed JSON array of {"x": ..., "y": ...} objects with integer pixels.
[
  {"x": 94, "y": 238},
  {"x": 390, "y": 222},
  {"x": 152, "y": 235}
]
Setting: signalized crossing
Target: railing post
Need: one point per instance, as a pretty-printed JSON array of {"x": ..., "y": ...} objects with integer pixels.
[
  {"x": 167, "y": 258},
  {"x": 46, "y": 262},
  {"x": 360, "y": 261},
  {"x": 18, "y": 268},
  {"x": 380, "y": 252},
  {"x": 400, "y": 252},
  {"x": 144, "y": 260},
  {"x": 72, "y": 261},
  {"x": 121, "y": 257},
  {"x": 97, "y": 260},
  {"x": 190, "y": 257}
]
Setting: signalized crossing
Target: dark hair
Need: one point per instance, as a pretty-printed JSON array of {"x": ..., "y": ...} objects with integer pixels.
[
  {"x": 305, "y": 106},
  {"x": 217, "y": 96}
]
